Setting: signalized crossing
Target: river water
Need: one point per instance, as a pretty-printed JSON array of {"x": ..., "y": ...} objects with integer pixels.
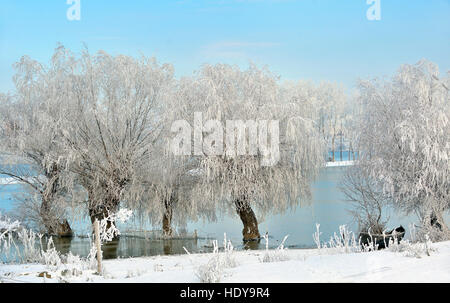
[{"x": 328, "y": 208}]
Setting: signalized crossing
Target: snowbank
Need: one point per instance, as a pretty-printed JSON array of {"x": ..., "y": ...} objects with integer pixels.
[
  {"x": 301, "y": 265},
  {"x": 340, "y": 163}
]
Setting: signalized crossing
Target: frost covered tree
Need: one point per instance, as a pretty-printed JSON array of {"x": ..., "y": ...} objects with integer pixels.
[
  {"x": 351, "y": 127},
  {"x": 115, "y": 114},
  {"x": 405, "y": 140},
  {"x": 169, "y": 179},
  {"x": 31, "y": 153},
  {"x": 236, "y": 124},
  {"x": 331, "y": 104},
  {"x": 367, "y": 199},
  {"x": 167, "y": 199},
  {"x": 326, "y": 104}
]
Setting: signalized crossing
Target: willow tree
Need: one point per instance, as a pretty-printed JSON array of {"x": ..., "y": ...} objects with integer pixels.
[
  {"x": 331, "y": 102},
  {"x": 170, "y": 178},
  {"x": 325, "y": 104},
  {"x": 30, "y": 119},
  {"x": 167, "y": 199},
  {"x": 114, "y": 109},
  {"x": 405, "y": 140},
  {"x": 255, "y": 146}
]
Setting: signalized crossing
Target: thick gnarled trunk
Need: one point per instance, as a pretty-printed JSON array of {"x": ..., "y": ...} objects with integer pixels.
[
  {"x": 54, "y": 226},
  {"x": 250, "y": 231},
  {"x": 102, "y": 207},
  {"x": 437, "y": 221},
  {"x": 167, "y": 216},
  {"x": 167, "y": 223}
]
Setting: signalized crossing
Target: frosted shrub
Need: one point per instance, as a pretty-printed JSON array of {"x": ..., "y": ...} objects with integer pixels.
[
  {"x": 5, "y": 245},
  {"x": 51, "y": 256},
  {"x": 432, "y": 233},
  {"x": 210, "y": 272},
  {"x": 7, "y": 228},
  {"x": 345, "y": 242},
  {"x": 22, "y": 245},
  {"x": 33, "y": 253},
  {"x": 25, "y": 246},
  {"x": 213, "y": 270},
  {"x": 18, "y": 243},
  {"x": 410, "y": 249},
  {"x": 276, "y": 255},
  {"x": 229, "y": 259},
  {"x": 316, "y": 236},
  {"x": 30, "y": 252},
  {"x": 75, "y": 263},
  {"x": 73, "y": 266},
  {"x": 92, "y": 257},
  {"x": 371, "y": 244},
  {"x": 6, "y": 225}
]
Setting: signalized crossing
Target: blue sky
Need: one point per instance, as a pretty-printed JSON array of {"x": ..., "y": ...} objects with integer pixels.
[{"x": 297, "y": 39}]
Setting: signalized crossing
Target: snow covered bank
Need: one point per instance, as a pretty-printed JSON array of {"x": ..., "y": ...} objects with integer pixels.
[
  {"x": 339, "y": 163},
  {"x": 300, "y": 265}
]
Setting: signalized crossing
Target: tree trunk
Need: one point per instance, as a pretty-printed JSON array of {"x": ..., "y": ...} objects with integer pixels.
[
  {"x": 101, "y": 214},
  {"x": 350, "y": 152},
  {"x": 53, "y": 226},
  {"x": 167, "y": 247},
  {"x": 169, "y": 203},
  {"x": 52, "y": 223},
  {"x": 437, "y": 221},
  {"x": 332, "y": 143},
  {"x": 102, "y": 209},
  {"x": 250, "y": 231},
  {"x": 167, "y": 221},
  {"x": 64, "y": 229}
]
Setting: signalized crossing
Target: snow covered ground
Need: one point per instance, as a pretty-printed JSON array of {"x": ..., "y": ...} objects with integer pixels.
[{"x": 301, "y": 265}]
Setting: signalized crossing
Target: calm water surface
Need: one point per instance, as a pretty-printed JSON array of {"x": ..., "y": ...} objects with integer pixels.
[{"x": 329, "y": 208}]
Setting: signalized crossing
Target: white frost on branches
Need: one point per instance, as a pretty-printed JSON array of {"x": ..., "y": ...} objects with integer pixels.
[
  {"x": 108, "y": 233},
  {"x": 405, "y": 139}
]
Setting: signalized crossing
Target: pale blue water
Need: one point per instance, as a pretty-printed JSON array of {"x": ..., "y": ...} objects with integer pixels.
[
  {"x": 345, "y": 156},
  {"x": 7, "y": 196},
  {"x": 329, "y": 208}
]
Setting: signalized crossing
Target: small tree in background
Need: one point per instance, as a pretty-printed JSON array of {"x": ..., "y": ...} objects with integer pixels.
[{"x": 368, "y": 200}]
